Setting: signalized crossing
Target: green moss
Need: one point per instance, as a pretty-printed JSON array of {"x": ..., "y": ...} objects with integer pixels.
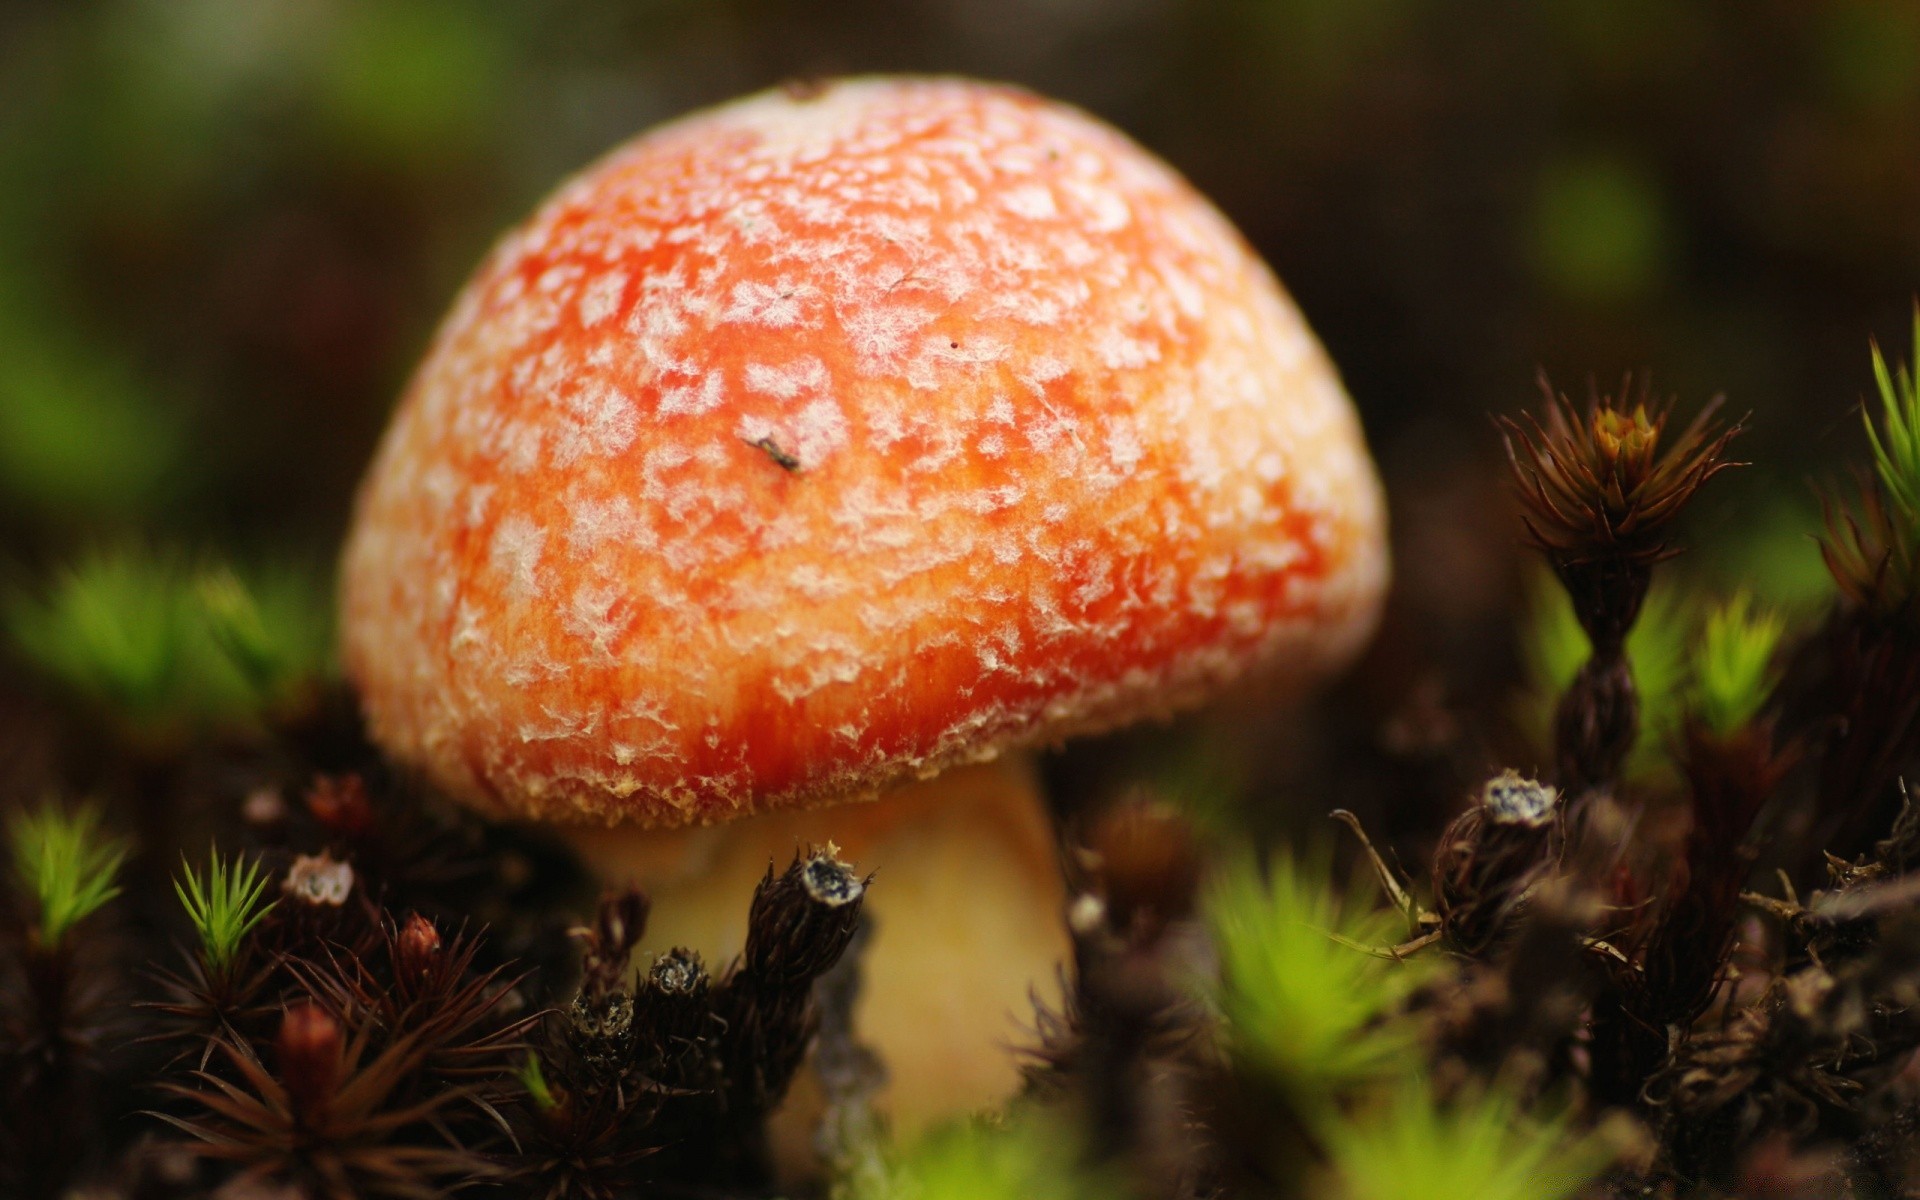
[
  {"x": 1028, "y": 1158},
  {"x": 1896, "y": 439},
  {"x": 275, "y": 627},
  {"x": 224, "y": 904},
  {"x": 1733, "y": 670},
  {"x": 1480, "y": 1148},
  {"x": 66, "y": 865},
  {"x": 1307, "y": 1001},
  {"x": 164, "y": 647}
]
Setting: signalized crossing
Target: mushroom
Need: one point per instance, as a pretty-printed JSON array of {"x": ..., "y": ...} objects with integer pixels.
[{"x": 840, "y": 445}]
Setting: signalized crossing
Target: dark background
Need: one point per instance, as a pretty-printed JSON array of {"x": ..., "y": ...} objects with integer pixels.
[{"x": 228, "y": 226}]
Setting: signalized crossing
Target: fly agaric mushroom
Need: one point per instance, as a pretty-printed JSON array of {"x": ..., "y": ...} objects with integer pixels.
[{"x": 817, "y": 444}]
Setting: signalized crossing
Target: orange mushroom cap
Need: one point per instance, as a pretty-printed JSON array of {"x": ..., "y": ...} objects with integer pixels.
[{"x": 816, "y": 441}]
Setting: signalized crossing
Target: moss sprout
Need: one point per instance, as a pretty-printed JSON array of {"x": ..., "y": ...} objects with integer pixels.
[
  {"x": 1896, "y": 437},
  {"x": 1479, "y": 1147},
  {"x": 116, "y": 629},
  {"x": 1872, "y": 545},
  {"x": 275, "y": 628},
  {"x": 164, "y": 647},
  {"x": 1309, "y": 995},
  {"x": 1733, "y": 663},
  {"x": 1028, "y": 1158},
  {"x": 225, "y": 904},
  {"x": 67, "y": 865}
]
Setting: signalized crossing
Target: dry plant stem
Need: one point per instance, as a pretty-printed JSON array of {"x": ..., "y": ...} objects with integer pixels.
[
  {"x": 1125, "y": 1051},
  {"x": 1596, "y": 721},
  {"x": 1871, "y": 726},
  {"x": 51, "y": 1038},
  {"x": 1516, "y": 1015},
  {"x": 761, "y": 1023},
  {"x": 852, "y": 1137},
  {"x": 967, "y": 903},
  {"x": 1598, "y": 718},
  {"x": 1854, "y": 687},
  {"x": 1731, "y": 777},
  {"x": 1262, "y": 1144},
  {"x": 1489, "y": 862},
  {"x": 1600, "y": 488},
  {"x": 1683, "y": 956}
]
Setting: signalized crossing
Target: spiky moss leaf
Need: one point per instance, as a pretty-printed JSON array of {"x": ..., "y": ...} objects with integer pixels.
[
  {"x": 1412, "y": 1147},
  {"x": 113, "y": 628},
  {"x": 65, "y": 863},
  {"x": 1554, "y": 647},
  {"x": 275, "y": 626},
  {"x": 166, "y": 648},
  {"x": 1733, "y": 670},
  {"x": 1028, "y": 1158},
  {"x": 1604, "y": 485},
  {"x": 1896, "y": 440},
  {"x": 1872, "y": 544},
  {"x": 1307, "y": 1001},
  {"x": 533, "y": 1080},
  {"x": 224, "y": 904}
]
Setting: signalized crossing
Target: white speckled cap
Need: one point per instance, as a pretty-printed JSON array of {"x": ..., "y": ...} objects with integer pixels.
[{"x": 809, "y": 443}]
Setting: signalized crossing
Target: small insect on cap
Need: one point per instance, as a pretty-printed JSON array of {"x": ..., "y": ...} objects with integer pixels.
[{"x": 827, "y": 438}]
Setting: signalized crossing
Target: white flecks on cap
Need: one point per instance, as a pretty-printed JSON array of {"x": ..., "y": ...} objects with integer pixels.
[{"x": 804, "y": 444}]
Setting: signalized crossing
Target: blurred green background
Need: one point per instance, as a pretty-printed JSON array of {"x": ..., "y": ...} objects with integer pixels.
[{"x": 228, "y": 226}]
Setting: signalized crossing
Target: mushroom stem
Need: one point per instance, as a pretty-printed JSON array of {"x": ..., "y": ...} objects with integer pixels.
[{"x": 967, "y": 913}]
